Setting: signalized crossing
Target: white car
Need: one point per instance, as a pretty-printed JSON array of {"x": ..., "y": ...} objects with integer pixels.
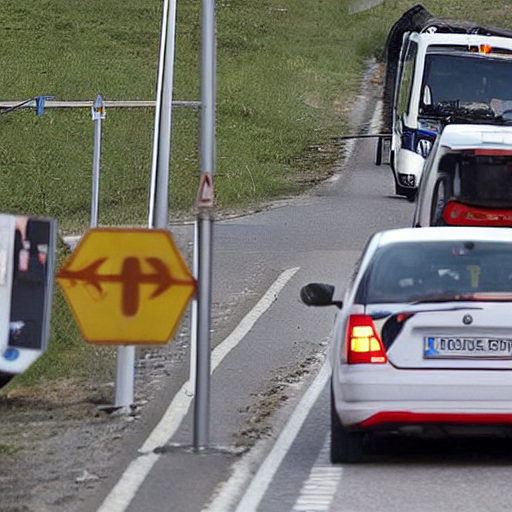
[
  {"x": 438, "y": 71},
  {"x": 467, "y": 178},
  {"x": 422, "y": 342}
]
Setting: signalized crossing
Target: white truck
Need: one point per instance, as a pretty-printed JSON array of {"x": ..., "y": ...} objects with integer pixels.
[{"x": 439, "y": 72}]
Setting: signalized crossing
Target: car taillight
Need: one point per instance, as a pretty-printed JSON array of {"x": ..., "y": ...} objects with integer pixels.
[
  {"x": 363, "y": 342},
  {"x": 462, "y": 215}
]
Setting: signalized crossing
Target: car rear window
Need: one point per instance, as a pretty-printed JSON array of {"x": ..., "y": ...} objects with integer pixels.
[
  {"x": 412, "y": 272},
  {"x": 477, "y": 180}
]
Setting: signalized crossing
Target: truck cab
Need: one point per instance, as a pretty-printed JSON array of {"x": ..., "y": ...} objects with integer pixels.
[{"x": 444, "y": 72}]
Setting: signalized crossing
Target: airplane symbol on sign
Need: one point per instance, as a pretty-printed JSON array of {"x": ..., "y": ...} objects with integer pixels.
[{"x": 130, "y": 279}]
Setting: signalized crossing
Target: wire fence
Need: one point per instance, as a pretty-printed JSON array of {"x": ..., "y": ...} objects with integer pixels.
[{"x": 46, "y": 164}]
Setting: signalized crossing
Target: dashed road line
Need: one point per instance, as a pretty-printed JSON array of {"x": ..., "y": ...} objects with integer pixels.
[{"x": 319, "y": 489}]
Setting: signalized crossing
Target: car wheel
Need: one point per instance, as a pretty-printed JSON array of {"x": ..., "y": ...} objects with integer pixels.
[
  {"x": 439, "y": 200},
  {"x": 346, "y": 446}
]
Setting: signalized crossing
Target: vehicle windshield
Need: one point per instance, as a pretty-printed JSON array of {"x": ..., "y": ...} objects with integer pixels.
[
  {"x": 468, "y": 79},
  {"x": 439, "y": 272},
  {"x": 476, "y": 179}
]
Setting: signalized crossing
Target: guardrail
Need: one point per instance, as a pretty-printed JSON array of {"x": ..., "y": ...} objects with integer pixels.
[{"x": 41, "y": 102}]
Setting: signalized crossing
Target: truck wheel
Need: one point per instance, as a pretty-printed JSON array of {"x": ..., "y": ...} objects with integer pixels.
[
  {"x": 409, "y": 193},
  {"x": 378, "y": 155}
]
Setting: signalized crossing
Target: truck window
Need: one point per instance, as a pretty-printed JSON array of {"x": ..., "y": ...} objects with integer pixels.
[
  {"x": 485, "y": 78},
  {"x": 406, "y": 79}
]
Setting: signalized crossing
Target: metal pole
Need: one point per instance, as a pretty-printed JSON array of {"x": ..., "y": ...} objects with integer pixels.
[
  {"x": 203, "y": 353},
  {"x": 98, "y": 114},
  {"x": 208, "y": 88},
  {"x": 159, "y": 193},
  {"x": 205, "y": 204},
  {"x": 158, "y": 199},
  {"x": 193, "y": 316},
  {"x": 125, "y": 376},
  {"x": 125, "y": 354},
  {"x": 158, "y": 108}
]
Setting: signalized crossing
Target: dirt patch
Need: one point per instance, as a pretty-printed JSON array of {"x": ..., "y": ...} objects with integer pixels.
[
  {"x": 55, "y": 445},
  {"x": 258, "y": 415}
]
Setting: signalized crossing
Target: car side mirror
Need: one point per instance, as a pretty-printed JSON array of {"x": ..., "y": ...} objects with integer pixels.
[{"x": 318, "y": 294}]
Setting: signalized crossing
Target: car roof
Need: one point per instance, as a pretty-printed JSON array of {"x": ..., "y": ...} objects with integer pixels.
[
  {"x": 443, "y": 234},
  {"x": 476, "y": 136}
]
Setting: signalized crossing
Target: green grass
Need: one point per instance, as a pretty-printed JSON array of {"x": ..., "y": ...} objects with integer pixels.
[
  {"x": 8, "y": 449},
  {"x": 287, "y": 75},
  {"x": 281, "y": 83}
]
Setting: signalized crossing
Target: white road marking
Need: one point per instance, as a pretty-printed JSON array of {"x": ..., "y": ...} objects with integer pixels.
[
  {"x": 241, "y": 470},
  {"x": 125, "y": 490},
  {"x": 318, "y": 490}
]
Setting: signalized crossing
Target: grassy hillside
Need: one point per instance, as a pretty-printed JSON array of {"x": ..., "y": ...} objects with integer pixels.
[{"x": 288, "y": 71}]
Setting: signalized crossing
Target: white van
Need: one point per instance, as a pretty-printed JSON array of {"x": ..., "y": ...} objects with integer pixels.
[{"x": 444, "y": 72}]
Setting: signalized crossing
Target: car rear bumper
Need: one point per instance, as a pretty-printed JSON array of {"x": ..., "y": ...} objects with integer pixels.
[
  {"x": 438, "y": 418},
  {"x": 381, "y": 415},
  {"x": 371, "y": 396}
]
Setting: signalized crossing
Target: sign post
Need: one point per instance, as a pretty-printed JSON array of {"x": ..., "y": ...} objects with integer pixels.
[
  {"x": 125, "y": 354},
  {"x": 205, "y": 200},
  {"x": 126, "y": 287}
]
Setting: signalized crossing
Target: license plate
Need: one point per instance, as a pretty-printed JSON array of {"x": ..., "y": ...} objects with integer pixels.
[{"x": 454, "y": 347}]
